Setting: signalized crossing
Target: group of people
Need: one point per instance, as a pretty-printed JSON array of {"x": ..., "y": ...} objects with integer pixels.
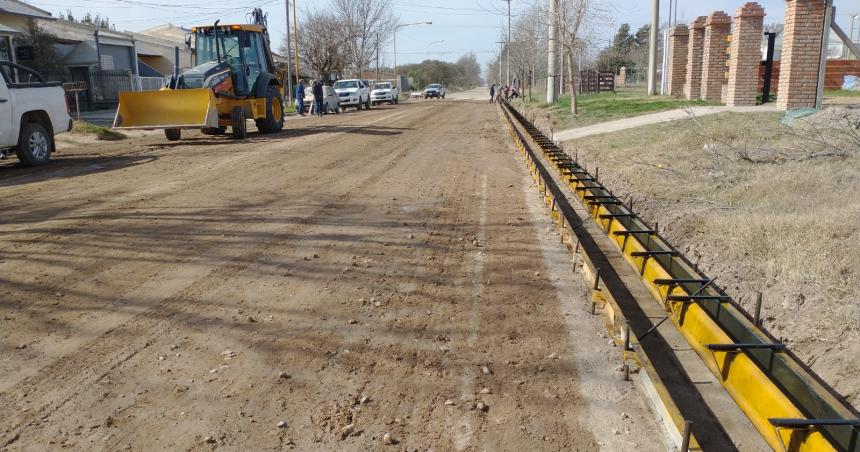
[
  {"x": 496, "y": 92},
  {"x": 317, "y": 107}
]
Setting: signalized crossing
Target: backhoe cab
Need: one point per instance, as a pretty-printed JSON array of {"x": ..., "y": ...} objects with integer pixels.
[{"x": 234, "y": 79}]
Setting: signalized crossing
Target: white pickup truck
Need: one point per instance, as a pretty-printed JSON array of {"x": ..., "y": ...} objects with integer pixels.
[{"x": 31, "y": 112}]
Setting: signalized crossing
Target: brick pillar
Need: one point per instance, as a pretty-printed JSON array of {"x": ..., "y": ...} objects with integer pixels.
[
  {"x": 693, "y": 80},
  {"x": 678, "y": 40},
  {"x": 801, "y": 52},
  {"x": 715, "y": 49},
  {"x": 745, "y": 55}
]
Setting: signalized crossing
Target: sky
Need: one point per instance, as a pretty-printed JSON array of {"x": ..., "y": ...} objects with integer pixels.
[{"x": 459, "y": 26}]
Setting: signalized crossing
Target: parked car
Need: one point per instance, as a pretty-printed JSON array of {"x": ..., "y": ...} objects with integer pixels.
[
  {"x": 384, "y": 92},
  {"x": 32, "y": 110},
  {"x": 435, "y": 90},
  {"x": 416, "y": 95},
  {"x": 330, "y": 100},
  {"x": 353, "y": 93}
]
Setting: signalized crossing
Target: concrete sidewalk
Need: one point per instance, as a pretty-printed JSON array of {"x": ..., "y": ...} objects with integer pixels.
[{"x": 653, "y": 118}]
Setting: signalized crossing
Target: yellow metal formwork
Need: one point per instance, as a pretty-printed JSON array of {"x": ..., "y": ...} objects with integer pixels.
[{"x": 755, "y": 393}]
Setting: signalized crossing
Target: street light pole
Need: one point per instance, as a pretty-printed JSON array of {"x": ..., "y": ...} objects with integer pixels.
[
  {"x": 431, "y": 45},
  {"x": 397, "y": 27}
]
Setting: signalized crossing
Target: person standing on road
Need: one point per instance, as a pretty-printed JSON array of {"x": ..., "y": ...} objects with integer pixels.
[
  {"x": 318, "y": 97},
  {"x": 493, "y": 93},
  {"x": 300, "y": 97}
]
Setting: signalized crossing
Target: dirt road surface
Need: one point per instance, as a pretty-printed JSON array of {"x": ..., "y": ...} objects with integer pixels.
[{"x": 379, "y": 280}]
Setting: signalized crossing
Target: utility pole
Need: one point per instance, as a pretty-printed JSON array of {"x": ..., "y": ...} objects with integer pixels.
[
  {"x": 501, "y": 51},
  {"x": 664, "y": 67},
  {"x": 652, "y": 48},
  {"x": 551, "y": 95},
  {"x": 377, "y": 57},
  {"x": 508, "y": 57},
  {"x": 296, "y": 40},
  {"x": 289, "y": 69}
]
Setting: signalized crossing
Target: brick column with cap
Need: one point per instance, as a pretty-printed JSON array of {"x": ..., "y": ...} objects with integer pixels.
[
  {"x": 693, "y": 79},
  {"x": 716, "y": 47},
  {"x": 745, "y": 55},
  {"x": 678, "y": 41},
  {"x": 801, "y": 53}
]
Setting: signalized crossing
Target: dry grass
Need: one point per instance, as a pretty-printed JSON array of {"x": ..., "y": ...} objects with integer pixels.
[
  {"x": 100, "y": 132},
  {"x": 761, "y": 206}
]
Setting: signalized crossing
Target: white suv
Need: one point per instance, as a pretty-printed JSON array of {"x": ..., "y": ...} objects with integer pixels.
[
  {"x": 383, "y": 92},
  {"x": 353, "y": 93}
]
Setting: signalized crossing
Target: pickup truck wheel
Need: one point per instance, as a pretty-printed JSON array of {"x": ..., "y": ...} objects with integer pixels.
[
  {"x": 173, "y": 134},
  {"x": 34, "y": 145},
  {"x": 240, "y": 127},
  {"x": 368, "y": 103},
  {"x": 443, "y": 96},
  {"x": 274, "y": 120}
]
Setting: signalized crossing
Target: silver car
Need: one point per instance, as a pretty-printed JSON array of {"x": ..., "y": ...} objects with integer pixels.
[{"x": 330, "y": 100}]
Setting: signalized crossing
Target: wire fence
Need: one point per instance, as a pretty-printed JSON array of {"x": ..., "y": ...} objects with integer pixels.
[{"x": 103, "y": 86}]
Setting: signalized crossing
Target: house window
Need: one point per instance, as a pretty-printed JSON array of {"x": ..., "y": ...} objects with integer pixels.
[
  {"x": 107, "y": 62},
  {"x": 5, "y": 48}
]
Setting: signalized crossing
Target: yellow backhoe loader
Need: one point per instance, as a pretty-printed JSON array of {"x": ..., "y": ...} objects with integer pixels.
[{"x": 234, "y": 78}]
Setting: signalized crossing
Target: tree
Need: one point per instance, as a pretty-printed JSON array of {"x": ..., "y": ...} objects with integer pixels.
[
  {"x": 528, "y": 46},
  {"x": 623, "y": 40},
  {"x": 89, "y": 19},
  {"x": 321, "y": 43},
  {"x": 367, "y": 25},
  {"x": 642, "y": 35},
  {"x": 464, "y": 74},
  {"x": 45, "y": 59},
  {"x": 576, "y": 21}
]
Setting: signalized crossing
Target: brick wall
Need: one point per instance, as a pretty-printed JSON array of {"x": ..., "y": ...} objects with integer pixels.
[
  {"x": 834, "y": 74},
  {"x": 678, "y": 42},
  {"x": 715, "y": 47},
  {"x": 745, "y": 55},
  {"x": 693, "y": 79},
  {"x": 801, "y": 51}
]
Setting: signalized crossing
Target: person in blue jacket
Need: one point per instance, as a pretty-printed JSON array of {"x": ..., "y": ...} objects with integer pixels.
[{"x": 300, "y": 97}]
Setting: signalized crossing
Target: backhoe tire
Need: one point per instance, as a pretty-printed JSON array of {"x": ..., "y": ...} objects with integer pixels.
[
  {"x": 238, "y": 124},
  {"x": 34, "y": 145},
  {"x": 173, "y": 134},
  {"x": 274, "y": 120}
]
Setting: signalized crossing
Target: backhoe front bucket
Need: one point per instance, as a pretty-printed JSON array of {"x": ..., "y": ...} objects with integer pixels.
[{"x": 167, "y": 109}]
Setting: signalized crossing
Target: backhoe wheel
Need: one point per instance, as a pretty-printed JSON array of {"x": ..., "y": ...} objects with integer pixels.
[
  {"x": 274, "y": 120},
  {"x": 173, "y": 134},
  {"x": 34, "y": 145},
  {"x": 240, "y": 127}
]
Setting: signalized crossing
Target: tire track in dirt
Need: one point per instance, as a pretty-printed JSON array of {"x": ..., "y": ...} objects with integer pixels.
[{"x": 132, "y": 328}]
